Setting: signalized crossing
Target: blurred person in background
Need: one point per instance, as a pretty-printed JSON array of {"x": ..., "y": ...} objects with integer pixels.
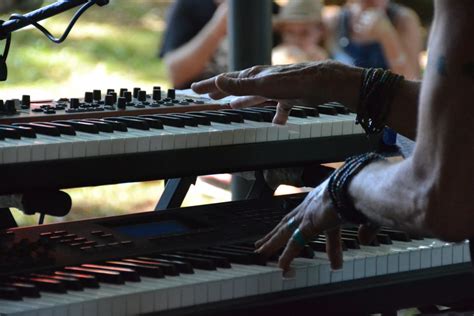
[
  {"x": 302, "y": 32},
  {"x": 194, "y": 45},
  {"x": 379, "y": 34}
]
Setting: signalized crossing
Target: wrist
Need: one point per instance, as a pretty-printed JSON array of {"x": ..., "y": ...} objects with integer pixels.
[
  {"x": 345, "y": 88},
  {"x": 338, "y": 187}
]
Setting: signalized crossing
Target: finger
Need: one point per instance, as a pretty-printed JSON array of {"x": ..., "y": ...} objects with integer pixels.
[
  {"x": 239, "y": 86},
  {"x": 282, "y": 113},
  {"x": 259, "y": 243},
  {"x": 334, "y": 247},
  {"x": 217, "y": 95},
  {"x": 293, "y": 247},
  {"x": 367, "y": 233},
  {"x": 278, "y": 239},
  {"x": 205, "y": 86},
  {"x": 247, "y": 101}
]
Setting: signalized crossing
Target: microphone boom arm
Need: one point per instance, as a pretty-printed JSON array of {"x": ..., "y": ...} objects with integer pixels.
[{"x": 53, "y": 9}]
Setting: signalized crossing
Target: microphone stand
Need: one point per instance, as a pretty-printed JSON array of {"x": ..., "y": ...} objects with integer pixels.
[{"x": 12, "y": 25}]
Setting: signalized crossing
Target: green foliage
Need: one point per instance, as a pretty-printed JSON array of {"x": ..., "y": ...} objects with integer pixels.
[{"x": 123, "y": 37}]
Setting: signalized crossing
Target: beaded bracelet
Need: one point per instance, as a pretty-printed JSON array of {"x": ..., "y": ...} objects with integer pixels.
[
  {"x": 339, "y": 183},
  {"x": 378, "y": 88}
]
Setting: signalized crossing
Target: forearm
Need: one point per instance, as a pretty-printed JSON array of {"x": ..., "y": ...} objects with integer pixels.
[
  {"x": 392, "y": 194},
  {"x": 189, "y": 61}
]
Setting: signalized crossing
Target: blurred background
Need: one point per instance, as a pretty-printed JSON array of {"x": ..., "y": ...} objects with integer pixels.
[{"x": 110, "y": 47}]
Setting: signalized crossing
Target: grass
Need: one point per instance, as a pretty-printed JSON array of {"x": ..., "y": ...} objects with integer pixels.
[{"x": 112, "y": 45}]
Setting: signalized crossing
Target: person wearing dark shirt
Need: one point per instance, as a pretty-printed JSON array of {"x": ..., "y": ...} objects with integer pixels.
[{"x": 194, "y": 44}]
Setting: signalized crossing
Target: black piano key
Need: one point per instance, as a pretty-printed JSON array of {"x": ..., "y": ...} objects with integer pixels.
[
  {"x": 267, "y": 114},
  {"x": 188, "y": 120},
  {"x": 343, "y": 241},
  {"x": 117, "y": 126},
  {"x": 318, "y": 245},
  {"x": 25, "y": 289},
  {"x": 168, "y": 120},
  {"x": 351, "y": 243},
  {"x": 154, "y": 123},
  {"x": 201, "y": 120},
  {"x": 341, "y": 109},
  {"x": 219, "y": 261},
  {"x": 87, "y": 280},
  {"x": 182, "y": 266},
  {"x": 257, "y": 258},
  {"x": 247, "y": 115},
  {"x": 396, "y": 234},
  {"x": 80, "y": 126},
  {"x": 297, "y": 112},
  {"x": 326, "y": 109},
  {"x": 214, "y": 117},
  {"x": 44, "y": 284},
  {"x": 63, "y": 128},
  {"x": 130, "y": 123},
  {"x": 238, "y": 256},
  {"x": 306, "y": 252},
  {"x": 142, "y": 269},
  {"x": 352, "y": 234},
  {"x": 127, "y": 273},
  {"x": 103, "y": 126},
  {"x": 197, "y": 263},
  {"x": 41, "y": 128},
  {"x": 10, "y": 293},
  {"x": 8, "y": 132},
  {"x": 309, "y": 110},
  {"x": 234, "y": 117},
  {"x": 384, "y": 239},
  {"x": 71, "y": 283},
  {"x": 232, "y": 256},
  {"x": 168, "y": 268},
  {"x": 24, "y": 131},
  {"x": 105, "y": 276}
]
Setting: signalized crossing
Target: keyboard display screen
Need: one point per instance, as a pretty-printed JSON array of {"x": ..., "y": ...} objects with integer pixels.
[{"x": 154, "y": 229}]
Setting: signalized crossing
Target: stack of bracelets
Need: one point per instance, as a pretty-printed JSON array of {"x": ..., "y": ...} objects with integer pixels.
[{"x": 376, "y": 94}]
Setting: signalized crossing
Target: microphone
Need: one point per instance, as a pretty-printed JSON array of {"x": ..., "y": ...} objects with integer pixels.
[{"x": 42, "y": 13}]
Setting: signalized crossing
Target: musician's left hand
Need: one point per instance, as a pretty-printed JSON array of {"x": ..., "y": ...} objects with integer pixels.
[{"x": 314, "y": 216}]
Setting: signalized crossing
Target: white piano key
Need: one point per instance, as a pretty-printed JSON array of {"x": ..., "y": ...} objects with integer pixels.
[
  {"x": 466, "y": 251},
  {"x": 458, "y": 253},
  {"x": 447, "y": 254}
]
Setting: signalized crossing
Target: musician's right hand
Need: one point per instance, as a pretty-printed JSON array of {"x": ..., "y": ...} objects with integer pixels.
[{"x": 308, "y": 84}]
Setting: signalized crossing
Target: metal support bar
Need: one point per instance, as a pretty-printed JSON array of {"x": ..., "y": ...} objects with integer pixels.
[
  {"x": 250, "y": 33},
  {"x": 174, "y": 193},
  {"x": 6, "y": 219},
  {"x": 260, "y": 189}
]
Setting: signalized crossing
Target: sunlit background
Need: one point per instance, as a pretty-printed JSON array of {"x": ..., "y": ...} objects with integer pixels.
[{"x": 110, "y": 47}]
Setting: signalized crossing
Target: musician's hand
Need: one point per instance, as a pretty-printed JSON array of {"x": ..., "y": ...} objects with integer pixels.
[
  {"x": 309, "y": 84},
  {"x": 314, "y": 216}
]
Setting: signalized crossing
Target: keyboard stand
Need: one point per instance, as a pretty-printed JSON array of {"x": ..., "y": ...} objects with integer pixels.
[
  {"x": 175, "y": 192},
  {"x": 6, "y": 219}
]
